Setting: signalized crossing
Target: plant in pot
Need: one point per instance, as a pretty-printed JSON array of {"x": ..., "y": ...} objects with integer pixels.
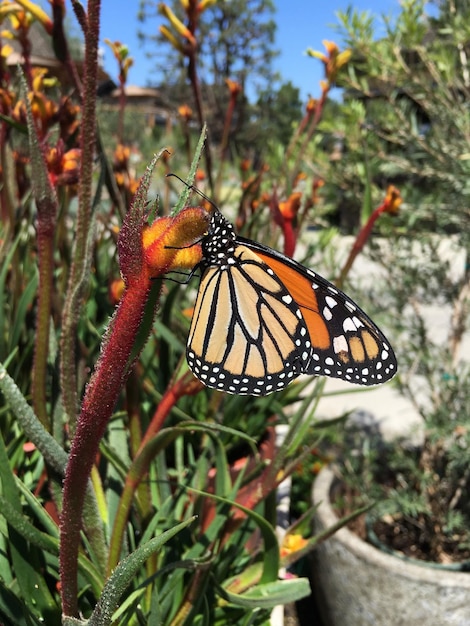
[{"x": 406, "y": 90}]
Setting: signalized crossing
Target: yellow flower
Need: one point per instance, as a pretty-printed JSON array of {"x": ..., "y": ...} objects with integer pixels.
[
  {"x": 333, "y": 60},
  {"x": 292, "y": 543},
  {"x": 39, "y": 14},
  {"x": 176, "y": 23}
]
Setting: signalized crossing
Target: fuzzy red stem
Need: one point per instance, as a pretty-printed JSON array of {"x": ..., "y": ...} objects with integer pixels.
[
  {"x": 360, "y": 242},
  {"x": 289, "y": 237},
  {"x": 100, "y": 398}
]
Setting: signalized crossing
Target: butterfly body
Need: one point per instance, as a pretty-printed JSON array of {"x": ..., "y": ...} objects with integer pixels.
[{"x": 262, "y": 319}]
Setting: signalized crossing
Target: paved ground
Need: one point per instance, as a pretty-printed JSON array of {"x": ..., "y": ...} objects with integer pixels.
[{"x": 383, "y": 406}]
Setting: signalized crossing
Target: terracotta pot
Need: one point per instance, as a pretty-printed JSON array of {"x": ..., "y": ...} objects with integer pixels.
[{"x": 356, "y": 584}]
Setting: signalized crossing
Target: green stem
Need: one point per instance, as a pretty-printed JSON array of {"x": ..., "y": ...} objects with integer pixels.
[
  {"x": 47, "y": 209},
  {"x": 79, "y": 273},
  {"x": 45, "y": 239}
]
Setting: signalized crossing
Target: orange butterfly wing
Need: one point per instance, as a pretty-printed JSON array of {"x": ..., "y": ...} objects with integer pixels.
[{"x": 346, "y": 343}]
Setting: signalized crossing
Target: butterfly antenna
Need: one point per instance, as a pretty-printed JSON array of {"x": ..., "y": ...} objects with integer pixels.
[{"x": 195, "y": 189}]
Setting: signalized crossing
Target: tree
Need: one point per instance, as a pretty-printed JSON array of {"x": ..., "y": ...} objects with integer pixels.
[
  {"x": 235, "y": 41},
  {"x": 276, "y": 111}
]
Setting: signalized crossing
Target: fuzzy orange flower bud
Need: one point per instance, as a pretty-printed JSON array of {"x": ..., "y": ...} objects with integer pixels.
[
  {"x": 311, "y": 105},
  {"x": 245, "y": 165},
  {"x": 393, "y": 200},
  {"x": 115, "y": 290},
  {"x": 70, "y": 167},
  {"x": 172, "y": 242},
  {"x": 185, "y": 112},
  {"x": 121, "y": 157},
  {"x": 234, "y": 87},
  {"x": 290, "y": 207}
]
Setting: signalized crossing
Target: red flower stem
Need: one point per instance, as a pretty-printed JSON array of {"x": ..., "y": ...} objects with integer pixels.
[
  {"x": 360, "y": 242},
  {"x": 122, "y": 108},
  {"x": 311, "y": 129},
  {"x": 289, "y": 237},
  {"x": 187, "y": 385},
  {"x": 100, "y": 398},
  {"x": 133, "y": 402}
]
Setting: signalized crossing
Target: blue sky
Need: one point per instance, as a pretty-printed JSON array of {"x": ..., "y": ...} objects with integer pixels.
[{"x": 300, "y": 24}]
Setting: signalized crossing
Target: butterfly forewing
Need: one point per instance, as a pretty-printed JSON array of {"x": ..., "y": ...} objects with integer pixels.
[
  {"x": 247, "y": 334},
  {"x": 345, "y": 342}
]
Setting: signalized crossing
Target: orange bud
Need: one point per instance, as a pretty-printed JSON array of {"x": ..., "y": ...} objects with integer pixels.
[
  {"x": 234, "y": 87},
  {"x": 331, "y": 47},
  {"x": 185, "y": 112},
  {"x": 116, "y": 289},
  {"x": 311, "y": 105},
  {"x": 333, "y": 60},
  {"x": 393, "y": 200},
  {"x": 38, "y": 13},
  {"x": 300, "y": 176},
  {"x": 290, "y": 207},
  {"x": 133, "y": 185},
  {"x": 70, "y": 167},
  {"x": 317, "y": 467},
  {"x": 245, "y": 165},
  {"x": 121, "y": 158},
  {"x": 172, "y": 242}
]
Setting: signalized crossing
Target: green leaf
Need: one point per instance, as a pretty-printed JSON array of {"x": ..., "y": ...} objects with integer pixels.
[
  {"x": 27, "y": 562},
  {"x": 5, "y": 268},
  {"x": 184, "y": 196},
  {"x": 18, "y": 324},
  {"x": 272, "y": 594},
  {"x": 124, "y": 574},
  {"x": 12, "y": 609},
  {"x": 270, "y": 552},
  {"x": 32, "y": 427}
]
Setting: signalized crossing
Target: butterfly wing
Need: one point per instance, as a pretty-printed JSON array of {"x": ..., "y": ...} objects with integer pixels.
[
  {"x": 248, "y": 335},
  {"x": 345, "y": 342}
]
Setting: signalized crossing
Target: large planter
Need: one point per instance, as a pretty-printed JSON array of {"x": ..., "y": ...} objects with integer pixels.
[{"x": 356, "y": 584}]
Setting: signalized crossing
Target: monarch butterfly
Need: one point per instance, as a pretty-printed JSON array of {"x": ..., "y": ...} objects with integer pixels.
[{"x": 261, "y": 319}]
